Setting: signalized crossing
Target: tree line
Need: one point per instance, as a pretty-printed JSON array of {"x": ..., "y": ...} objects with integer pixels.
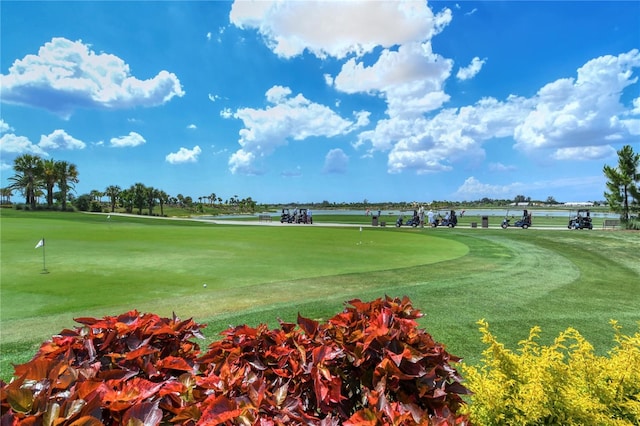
[
  {"x": 36, "y": 177},
  {"x": 139, "y": 197}
]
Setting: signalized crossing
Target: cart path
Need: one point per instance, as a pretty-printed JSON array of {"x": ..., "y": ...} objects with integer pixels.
[{"x": 318, "y": 224}]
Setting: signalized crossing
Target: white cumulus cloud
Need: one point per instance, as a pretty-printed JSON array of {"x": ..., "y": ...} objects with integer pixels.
[
  {"x": 10, "y": 143},
  {"x": 384, "y": 50},
  {"x": 473, "y": 189},
  {"x": 336, "y": 162},
  {"x": 499, "y": 167},
  {"x": 470, "y": 71},
  {"x": 4, "y": 127},
  {"x": 130, "y": 140},
  {"x": 184, "y": 155},
  {"x": 348, "y": 28},
  {"x": 411, "y": 79},
  {"x": 453, "y": 135},
  {"x": 67, "y": 75},
  {"x": 286, "y": 118},
  {"x": 584, "y": 153},
  {"x": 581, "y": 112},
  {"x": 59, "y": 139}
]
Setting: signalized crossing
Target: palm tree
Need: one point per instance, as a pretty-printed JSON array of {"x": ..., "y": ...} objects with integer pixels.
[
  {"x": 96, "y": 195},
  {"x": 113, "y": 192},
  {"x": 163, "y": 198},
  {"x": 151, "y": 194},
  {"x": 50, "y": 179},
  {"x": 28, "y": 177},
  {"x": 5, "y": 195},
  {"x": 212, "y": 198},
  {"x": 138, "y": 191},
  {"x": 67, "y": 174},
  {"x": 126, "y": 199}
]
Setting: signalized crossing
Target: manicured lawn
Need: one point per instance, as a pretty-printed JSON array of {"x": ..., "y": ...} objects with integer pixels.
[{"x": 514, "y": 278}]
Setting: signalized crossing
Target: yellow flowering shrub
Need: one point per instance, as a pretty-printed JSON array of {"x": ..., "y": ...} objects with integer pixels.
[{"x": 564, "y": 383}]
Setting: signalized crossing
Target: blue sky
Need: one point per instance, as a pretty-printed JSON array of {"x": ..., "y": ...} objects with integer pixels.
[{"x": 308, "y": 101}]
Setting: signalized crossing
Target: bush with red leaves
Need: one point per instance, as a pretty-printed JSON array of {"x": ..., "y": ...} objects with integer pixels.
[{"x": 369, "y": 365}]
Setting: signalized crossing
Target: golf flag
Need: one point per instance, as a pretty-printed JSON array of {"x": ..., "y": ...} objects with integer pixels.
[{"x": 40, "y": 243}]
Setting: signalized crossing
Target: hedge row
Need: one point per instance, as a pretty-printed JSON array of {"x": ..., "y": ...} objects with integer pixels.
[{"x": 368, "y": 365}]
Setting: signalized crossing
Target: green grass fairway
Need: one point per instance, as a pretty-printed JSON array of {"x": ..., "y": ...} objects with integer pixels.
[
  {"x": 514, "y": 278},
  {"x": 103, "y": 267}
]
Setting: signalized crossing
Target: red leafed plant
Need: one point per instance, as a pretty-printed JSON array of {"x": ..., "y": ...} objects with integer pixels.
[{"x": 369, "y": 365}]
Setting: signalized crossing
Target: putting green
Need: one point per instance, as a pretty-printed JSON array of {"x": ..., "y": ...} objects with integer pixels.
[{"x": 104, "y": 267}]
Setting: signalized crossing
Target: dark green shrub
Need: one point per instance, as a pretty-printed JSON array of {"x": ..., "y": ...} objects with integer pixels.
[{"x": 83, "y": 202}]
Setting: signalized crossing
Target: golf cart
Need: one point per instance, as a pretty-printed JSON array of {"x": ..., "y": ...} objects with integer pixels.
[
  {"x": 582, "y": 220},
  {"x": 302, "y": 216},
  {"x": 450, "y": 220},
  {"x": 286, "y": 217},
  {"x": 523, "y": 223},
  {"x": 414, "y": 221}
]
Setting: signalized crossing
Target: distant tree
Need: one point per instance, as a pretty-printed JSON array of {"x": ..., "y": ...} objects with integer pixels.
[
  {"x": 96, "y": 195},
  {"x": 67, "y": 174},
  {"x": 551, "y": 200},
  {"x": 49, "y": 178},
  {"x": 151, "y": 195},
  {"x": 519, "y": 199},
  {"x": 113, "y": 192},
  {"x": 622, "y": 183},
  {"x": 126, "y": 200},
  {"x": 139, "y": 193},
  {"x": 83, "y": 202},
  {"x": 6, "y": 194},
  {"x": 163, "y": 198},
  {"x": 28, "y": 177}
]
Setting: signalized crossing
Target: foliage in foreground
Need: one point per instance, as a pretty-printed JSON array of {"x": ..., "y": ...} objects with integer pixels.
[
  {"x": 563, "y": 383},
  {"x": 368, "y": 365}
]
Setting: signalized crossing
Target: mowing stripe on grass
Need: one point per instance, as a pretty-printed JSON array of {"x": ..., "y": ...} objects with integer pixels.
[{"x": 104, "y": 268}]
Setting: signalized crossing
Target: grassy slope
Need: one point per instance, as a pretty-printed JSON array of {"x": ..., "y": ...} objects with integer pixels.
[{"x": 515, "y": 279}]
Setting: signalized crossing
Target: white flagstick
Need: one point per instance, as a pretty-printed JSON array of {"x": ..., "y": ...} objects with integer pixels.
[{"x": 44, "y": 263}]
